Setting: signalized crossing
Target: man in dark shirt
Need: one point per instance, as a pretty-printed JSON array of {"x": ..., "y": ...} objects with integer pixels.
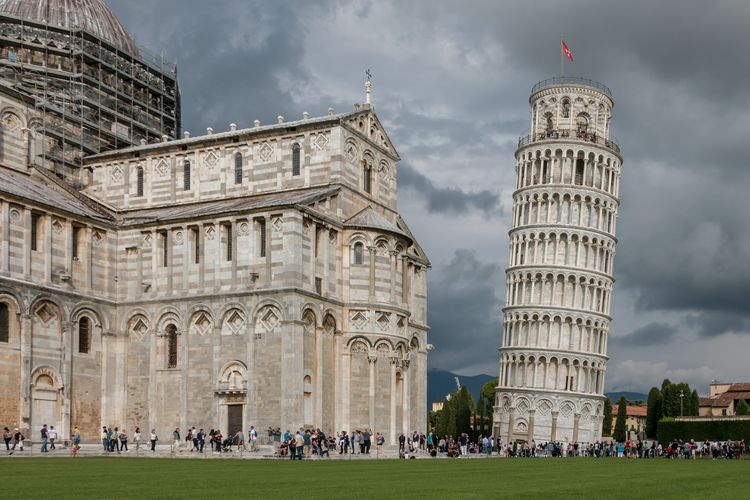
[
  {"x": 401, "y": 442},
  {"x": 366, "y": 439},
  {"x": 44, "y": 438}
]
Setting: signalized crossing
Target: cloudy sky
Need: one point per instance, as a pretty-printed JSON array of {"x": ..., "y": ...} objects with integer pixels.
[{"x": 451, "y": 83}]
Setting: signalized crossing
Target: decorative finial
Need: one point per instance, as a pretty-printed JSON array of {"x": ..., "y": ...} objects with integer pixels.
[
  {"x": 305, "y": 115},
  {"x": 256, "y": 123},
  {"x": 280, "y": 119},
  {"x": 232, "y": 127},
  {"x": 186, "y": 134},
  {"x": 210, "y": 131},
  {"x": 368, "y": 88}
]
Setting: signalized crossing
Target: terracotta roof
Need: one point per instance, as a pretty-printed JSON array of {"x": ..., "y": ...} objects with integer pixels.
[
  {"x": 705, "y": 401},
  {"x": 739, "y": 387},
  {"x": 37, "y": 187},
  {"x": 233, "y": 205},
  {"x": 632, "y": 411}
]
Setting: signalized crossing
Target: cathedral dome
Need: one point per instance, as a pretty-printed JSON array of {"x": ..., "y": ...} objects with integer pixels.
[{"x": 91, "y": 15}]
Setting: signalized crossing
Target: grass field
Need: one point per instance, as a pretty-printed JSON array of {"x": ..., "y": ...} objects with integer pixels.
[{"x": 473, "y": 478}]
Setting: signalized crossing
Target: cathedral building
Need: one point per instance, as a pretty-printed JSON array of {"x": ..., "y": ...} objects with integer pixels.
[
  {"x": 255, "y": 276},
  {"x": 559, "y": 277}
]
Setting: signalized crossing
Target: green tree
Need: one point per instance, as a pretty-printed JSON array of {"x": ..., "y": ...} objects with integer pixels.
[
  {"x": 620, "y": 428},
  {"x": 654, "y": 412},
  {"x": 443, "y": 426},
  {"x": 485, "y": 404},
  {"x": 463, "y": 409},
  {"x": 607, "y": 420},
  {"x": 741, "y": 408}
]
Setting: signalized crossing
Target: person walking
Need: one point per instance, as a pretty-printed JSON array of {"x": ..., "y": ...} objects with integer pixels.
[
  {"x": 76, "y": 442},
  {"x": 123, "y": 440},
  {"x": 43, "y": 432},
  {"x": 253, "y": 439},
  {"x": 153, "y": 438},
  {"x": 137, "y": 439},
  {"x": 176, "y": 440},
  {"x": 18, "y": 438},
  {"x": 105, "y": 438},
  {"x": 52, "y": 436},
  {"x": 196, "y": 439},
  {"x": 7, "y": 437}
]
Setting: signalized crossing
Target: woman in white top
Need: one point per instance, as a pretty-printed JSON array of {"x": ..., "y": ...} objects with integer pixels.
[{"x": 137, "y": 439}]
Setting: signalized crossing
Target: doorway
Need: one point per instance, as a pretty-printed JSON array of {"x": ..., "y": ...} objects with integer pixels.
[{"x": 234, "y": 420}]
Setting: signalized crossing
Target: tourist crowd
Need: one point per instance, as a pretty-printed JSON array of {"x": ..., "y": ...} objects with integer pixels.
[{"x": 314, "y": 442}]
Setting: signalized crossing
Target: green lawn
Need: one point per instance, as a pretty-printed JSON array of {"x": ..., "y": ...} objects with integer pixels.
[{"x": 362, "y": 479}]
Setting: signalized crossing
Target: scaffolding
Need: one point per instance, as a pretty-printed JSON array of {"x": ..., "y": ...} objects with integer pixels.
[{"x": 91, "y": 96}]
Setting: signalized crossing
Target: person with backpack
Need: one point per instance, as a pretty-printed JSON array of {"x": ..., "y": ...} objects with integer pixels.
[
  {"x": 293, "y": 448},
  {"x": 43, "y": 433},
  {"x": 76, "y": 442}
]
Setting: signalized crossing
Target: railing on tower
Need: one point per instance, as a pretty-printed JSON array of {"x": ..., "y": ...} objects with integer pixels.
[
  {"x": 610, "y": 142},
  {"x": 570, "y": 80}
]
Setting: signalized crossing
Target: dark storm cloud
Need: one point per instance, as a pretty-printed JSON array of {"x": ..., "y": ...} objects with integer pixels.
[
  {"x": 452, "y": 83},
  {"x": 447, "y": 199},
  {"x": 652, "y": 334},
  {"x": 712, "y": 324},
  {"x": 465, "y": 312}
]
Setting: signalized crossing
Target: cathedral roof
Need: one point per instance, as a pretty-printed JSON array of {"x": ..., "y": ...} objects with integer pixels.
[
  {"x": 39, "y": 188},
  {"x": 226, "y": 206},
  {"x": 368, "y": 218},
  {"x": 92, "y": 16}
]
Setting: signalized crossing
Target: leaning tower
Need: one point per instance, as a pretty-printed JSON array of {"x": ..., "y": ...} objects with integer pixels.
[{"x": 559, "y": 277}]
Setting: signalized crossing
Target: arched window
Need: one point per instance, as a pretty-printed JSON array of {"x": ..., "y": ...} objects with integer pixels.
[
  {"x": 565, "y": 108},
  {"x": 367, "y": 178},
  {"x": 550, "y": 124},
  {"x": 186, "y": 175},
  {"x": 4, "y": 323},
  {"x": 238, "y": 168},
  {"x": 171, "y": 346},
  {"x": 139, "y": 181},
  {"x": 359, "y": 253},
  {"x": 84, "y": 335},
  {"x": 295, "y": 159},
  {"x": 579, "y": 171},
  {"x": 582, "y": 124}
]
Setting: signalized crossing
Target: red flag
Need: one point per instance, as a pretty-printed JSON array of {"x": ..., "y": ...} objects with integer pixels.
[{"x": 566, "y": 51}]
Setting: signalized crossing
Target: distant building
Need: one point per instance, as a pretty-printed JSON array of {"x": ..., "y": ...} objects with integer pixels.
[
  {"x": 723, "y": 399},
  {"x": 635, "y": 418},
  {"x": 437, "y": 405}
]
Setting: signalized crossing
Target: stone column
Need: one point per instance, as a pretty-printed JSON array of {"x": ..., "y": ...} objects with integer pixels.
[
  {"x": 48, "y": 248},
  {"x": 576, "y": 423},
  {"x": 373, "y": 258},
  {"x": 553, "y": 437},
  {"x": 25, "y": 416},
  {"x": 404, "y": 280},
  {"x": 5, "y": 239},
  {"x": 67, "y": 377},
  {"x": 186, "y": 243},
  {"x": 346, "y": 364},
  {"x": 511, "y": 423},
  {"x": 392, "y": 434},
  {"x": 318, "y": 418},
  {"x": 215, "y": 367},
  {"x": 405, "y": 420},
  {"x": 393, "y": 256},
  {"x": 235, "y": 250},
  {"x": 372, "y": 360},
  {"x": 250, "y": 377},
  {"x": 530, "y": 436}
]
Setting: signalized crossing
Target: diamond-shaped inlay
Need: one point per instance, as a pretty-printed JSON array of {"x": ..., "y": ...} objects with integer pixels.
[
  {"x": 116, "y": 173},
  {"x": 162, "y": 168},
  {"x": 383, "y": 321},
  {"x": 278, "y": 223},
  {"x": 265, "y": 151},
  {"x": 97, "y": 238},
  {"x": 147, "y": 239},
  {"x": 10, "y": 122},
  {"x": 359, "y": 319},
  {"x": 210, "y": 159},
  {"x": 351, "y": 152},
  {"x": 269, "y": 320},
  {"x": 321, "y": 141},
  {"x": 202, "y": 324},
  {"x": 544, "y": 407},
  {"x": 140, "y": 328},
  {"x": 45, "y": 314},
  {"x": 57, "y": 226},
  {"x": 210, "y": 232},
  {"x": 566, "y": 409}
]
